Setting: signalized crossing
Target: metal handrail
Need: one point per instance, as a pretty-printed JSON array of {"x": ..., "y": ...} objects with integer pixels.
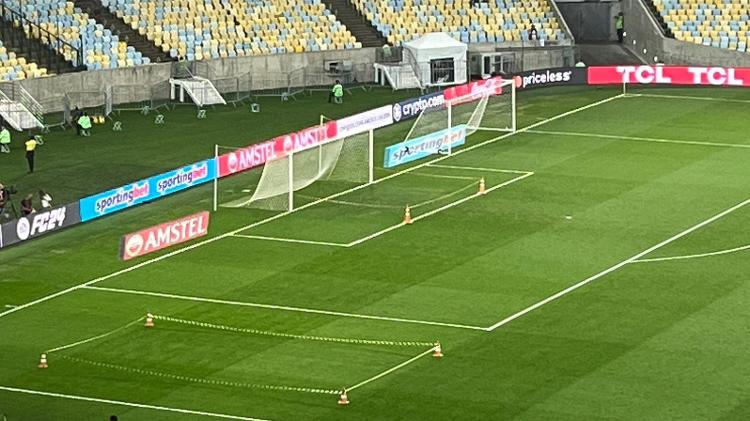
[{"x": 55, "y": 44}]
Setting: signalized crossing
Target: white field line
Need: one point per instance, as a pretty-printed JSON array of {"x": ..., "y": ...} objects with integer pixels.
[
  {"x": 693, "y": 256},
  {"x": 698, "y": 98},
  {"x": 437, "y": 210},
  {"x": 280, "y": 307},
  {"x": 10, "y": 306},
  {"x": 483, "y": 169},
  {"x": 616, "y": 267},
  {"x": 399, "y": 225},
  {"x": 128, "y": 404},
  {"x": 450, "y": 177},
  {"x": 644, "y": 139},
  {"x": 390, "y": 370},
  {"x": 94, "y": 338},
  {"x": 290, "y": 240},
  {"x": 281, "y": 215}
]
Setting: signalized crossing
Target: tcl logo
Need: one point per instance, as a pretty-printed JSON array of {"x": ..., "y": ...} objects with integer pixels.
[
  {"x": 670, "y": 75},
  {"x": 40, "y": 223}
]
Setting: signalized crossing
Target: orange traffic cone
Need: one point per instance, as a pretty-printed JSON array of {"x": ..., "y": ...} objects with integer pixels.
[
  {"x": 43, "y": 361},
  {"x": 437, "y": 351},
  {"x": 481, "y": 186},
  {"x": 407, "y": 215},
  {"x": 149, "y": 320},
  {"x": 343, "y": 399}
]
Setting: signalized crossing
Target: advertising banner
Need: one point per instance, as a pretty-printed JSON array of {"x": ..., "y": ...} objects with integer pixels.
[
  {"x": 147, "y": 190},
  {"x": 39, "y": 223},
  {"x": 474, "y": 90},
  {"x": 277, "y": 148},
  {"x": 669, "y": 75},
  {"x": 363, "y": 122},
  {"x": 411, "y": 108},
  {"x": 423, "y": 146},
  {"x": 164, "y": 235},
  {"x": 551, "y": 77}
]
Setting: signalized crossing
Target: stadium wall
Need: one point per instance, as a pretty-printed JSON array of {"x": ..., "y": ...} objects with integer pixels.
[
  {"x": 148, "y": 76},
  {"x": 643, "y": 33}
]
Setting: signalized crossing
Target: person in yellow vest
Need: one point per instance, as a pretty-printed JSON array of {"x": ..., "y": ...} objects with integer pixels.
[
  {"x": 4, "y": 140},
  {"x": 337, "y": 93},
  {"x": 84, "y": 124},
  {"x": 30, "y": 148}
]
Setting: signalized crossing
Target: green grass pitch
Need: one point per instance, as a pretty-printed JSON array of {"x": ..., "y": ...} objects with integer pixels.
[{"x": 605, "y": 278}]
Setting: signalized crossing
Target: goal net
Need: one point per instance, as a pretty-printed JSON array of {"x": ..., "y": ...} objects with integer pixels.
[
  {"x": 485, "y": 107},
  {"x": 302, "y": 176}
]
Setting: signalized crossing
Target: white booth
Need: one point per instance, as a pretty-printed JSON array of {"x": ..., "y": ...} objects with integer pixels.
[{"x": 439, "y": 59}]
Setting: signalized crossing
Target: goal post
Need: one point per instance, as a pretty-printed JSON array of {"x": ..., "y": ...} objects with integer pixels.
[
  {"x": 482, "y": 106},
  {"x": 321, "y": 170}
]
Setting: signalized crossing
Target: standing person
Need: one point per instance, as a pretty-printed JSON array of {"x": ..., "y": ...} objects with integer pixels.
[
  {"x": 83, "y": 124},
  {"x": 74, "y": 116},
  {"x": 4, "y": 140},
  {"x": 533, "y": 33},
  {"x": 27, "y": 205},
  {"x": 337, "y": 93},
  {"x": 30, "y": 148},
  {"x": 620, "y": 26}
]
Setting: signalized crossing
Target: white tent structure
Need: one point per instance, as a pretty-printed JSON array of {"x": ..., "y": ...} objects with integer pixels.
[{"x": 437, "y": 59}]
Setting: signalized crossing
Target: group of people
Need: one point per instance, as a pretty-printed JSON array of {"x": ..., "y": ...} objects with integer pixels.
[{"x": 8, "y": 209}]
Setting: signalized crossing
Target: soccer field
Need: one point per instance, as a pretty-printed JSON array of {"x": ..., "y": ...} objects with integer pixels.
[{"x": 601, "y": 276}]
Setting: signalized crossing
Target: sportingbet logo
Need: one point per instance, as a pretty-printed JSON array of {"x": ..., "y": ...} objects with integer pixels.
[
  {"x": 670, "y": 75},
  {"x": 184, "y": 177},
  {"x": 411, "y": 108},
  {"x": 424, "y": 146},
  {"x": 165, "y": 235},
  {"x": 40, "y": 223},
  {"x": 124, "y": 196}
]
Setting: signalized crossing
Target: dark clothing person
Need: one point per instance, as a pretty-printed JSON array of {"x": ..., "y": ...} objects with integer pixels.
[
  {"x": 27, "y": 207},
  {"x": 533, "y": 34},
  {"x": 30, "y": 148},
  {"x": 620, "y": 26}
]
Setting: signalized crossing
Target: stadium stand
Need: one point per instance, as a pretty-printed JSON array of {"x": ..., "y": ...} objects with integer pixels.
[
  {"x": 230, "y": 28},
  {"x": 466, "y": 20},
  {"x": 102, "y": 49},
  {"x": 14, "y": 67},
  {"x": 715, "y": 23}
]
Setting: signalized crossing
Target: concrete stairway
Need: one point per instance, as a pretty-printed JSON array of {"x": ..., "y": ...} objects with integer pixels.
[
  {"x": 96, "y": 10},
  {"x": 607, "y": 54},
  {"x": 357, "y": 24},
  {"x": 15, "y": 40}
]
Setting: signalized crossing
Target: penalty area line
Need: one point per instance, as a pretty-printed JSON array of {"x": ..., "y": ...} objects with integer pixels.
[
  {"x": 611, "y": 269},
  {"x": 438, "y": 210},
  {"x": 281, "y": 307},
  {"x": 128, "y": 404},
  {"x": 643, "y": 139},
  {"x": 290, "y": 240}
]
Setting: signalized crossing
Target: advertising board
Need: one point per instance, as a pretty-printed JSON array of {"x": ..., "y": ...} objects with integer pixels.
[
  {"x": 39, "y": 223},
  {"x": 164, "y": 235},
  {"x": 669, "y": 75},
  {"x": 143, "y": 191},
  {"x": 424, "y": 146}
]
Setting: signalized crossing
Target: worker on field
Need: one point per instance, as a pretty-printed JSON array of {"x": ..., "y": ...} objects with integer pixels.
[
  {"x": 30, "y": 151},
  {"x": 620, "y": 27},
  {"x": 337, "y": 93},
  {"x": 4, "y": 140},
  {"x": 83, "y": 125}
]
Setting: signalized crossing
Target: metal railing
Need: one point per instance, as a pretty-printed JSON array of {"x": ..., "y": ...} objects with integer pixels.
[{"x": 36, "y": 43}]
